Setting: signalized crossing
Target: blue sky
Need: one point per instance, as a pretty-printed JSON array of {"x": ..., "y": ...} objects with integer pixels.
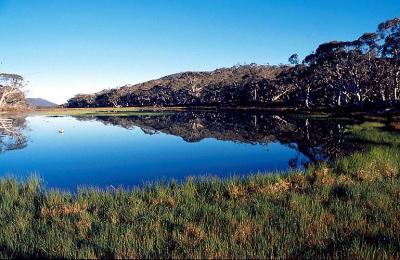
[{"x": 65, "y": 47}]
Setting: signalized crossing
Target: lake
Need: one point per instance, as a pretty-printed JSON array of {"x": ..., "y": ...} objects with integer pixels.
[{"x": 132, "y": 150}]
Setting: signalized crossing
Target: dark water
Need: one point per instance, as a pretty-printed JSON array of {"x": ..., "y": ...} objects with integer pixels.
[{"x": 127, "y": 151}]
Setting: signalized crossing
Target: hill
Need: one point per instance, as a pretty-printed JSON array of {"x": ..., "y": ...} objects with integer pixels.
[
  {"x": 354, "y": 74},
  {"x": 40, "y": 102},
  {"x": 228, "y": 86}
]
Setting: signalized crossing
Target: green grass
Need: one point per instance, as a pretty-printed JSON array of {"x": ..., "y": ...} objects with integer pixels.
[
  {"x": 150, "y": 110},
  {"x": 373, "y": 133},
  {"x": 106, "y": 111},
  {"x": 348, "y": 208}
]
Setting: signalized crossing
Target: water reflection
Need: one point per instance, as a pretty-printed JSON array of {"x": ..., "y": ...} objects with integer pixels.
[
  {"x": 131, "y": 150},
  {"x": 11, "y": 134},
  {"x": 317, "y": 138}
]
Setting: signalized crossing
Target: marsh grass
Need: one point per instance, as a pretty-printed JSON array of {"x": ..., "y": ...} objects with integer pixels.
[
  {"x": 375, "y": 133},
  {"x": 348, "y": 208},
  {"x": 106, "y": 111}
]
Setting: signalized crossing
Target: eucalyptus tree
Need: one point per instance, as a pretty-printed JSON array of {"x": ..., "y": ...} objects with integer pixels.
[
  {"x": 11, "y": 90},
  {"x": 389, "y": 33},
  {"x": 328, "y": 66},
  {"x": 359, "y": 68},
  {"x": 375, "y": 69},
  {"x": 296, "y": 84},
  {"x": 114, "y": 98},
  {"x": 294, "y": 59}
]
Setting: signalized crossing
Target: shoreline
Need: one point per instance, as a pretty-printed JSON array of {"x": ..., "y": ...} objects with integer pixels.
[{"x": 367, "y": 114}]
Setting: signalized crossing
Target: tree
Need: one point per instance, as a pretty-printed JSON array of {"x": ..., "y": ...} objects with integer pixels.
[
  {"x": 294, "y": 59},
  {"x": 328, "y": 68},
  {"x": 113, "y": 97},
  {"x": 11, "y": 90},
  {"x": 389, "y": 33},
  {"x": 374, "y": 68}
]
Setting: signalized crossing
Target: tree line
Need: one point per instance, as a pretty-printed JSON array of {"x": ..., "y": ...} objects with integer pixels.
[
  {"x": 359, "y": 74},
  {"x": 349, "y": 73}
]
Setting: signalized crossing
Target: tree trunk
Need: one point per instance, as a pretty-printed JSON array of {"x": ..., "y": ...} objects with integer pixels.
[
  {"x": 396, "y": 82},
  {"x": 383, "y": 95},
  {"x": 3, "y": 97},
  {"x": 396, "y": 87},
  {"x": 6, "y": 94},
  {"x": 308, "y": 98},
  {"x": 2, "y": 100}
]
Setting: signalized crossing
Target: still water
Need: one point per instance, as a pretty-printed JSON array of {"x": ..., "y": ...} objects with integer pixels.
[{"x": 132, "y": 150}]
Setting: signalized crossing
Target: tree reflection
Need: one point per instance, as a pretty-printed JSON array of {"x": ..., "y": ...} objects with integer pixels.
[
  {"x": 11, "y": 134},
  {"x": 318, "y": 139}
]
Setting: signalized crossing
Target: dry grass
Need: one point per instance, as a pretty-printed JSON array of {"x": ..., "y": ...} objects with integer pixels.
[{"x": 395, "y": 125}]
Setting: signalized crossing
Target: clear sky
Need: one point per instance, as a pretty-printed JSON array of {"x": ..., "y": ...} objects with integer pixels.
[{"x": 65, "y": 47}]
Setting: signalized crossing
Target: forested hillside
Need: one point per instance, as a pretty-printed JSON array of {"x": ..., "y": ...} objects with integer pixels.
[{"x": 360, "y": 73}]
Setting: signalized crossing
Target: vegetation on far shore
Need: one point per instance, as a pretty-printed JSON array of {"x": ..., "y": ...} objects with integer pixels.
[
  {"x": 348, "y": 208},
  {"x": 360, "y": 74},
  {"x": 363, "y": 74}
]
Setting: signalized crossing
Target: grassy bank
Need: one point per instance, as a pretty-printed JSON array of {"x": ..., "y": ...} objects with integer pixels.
[
  {"x": 347, "y": 208},
  {"x": 105, "y": 111},
  {"x": 93, "y": 110},
  {"x": 143, "y": 110},
  {"x": 121, "y": 111}
]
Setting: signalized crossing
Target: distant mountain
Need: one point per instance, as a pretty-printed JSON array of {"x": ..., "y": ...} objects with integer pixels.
[{"x": 40, "y": 102}]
